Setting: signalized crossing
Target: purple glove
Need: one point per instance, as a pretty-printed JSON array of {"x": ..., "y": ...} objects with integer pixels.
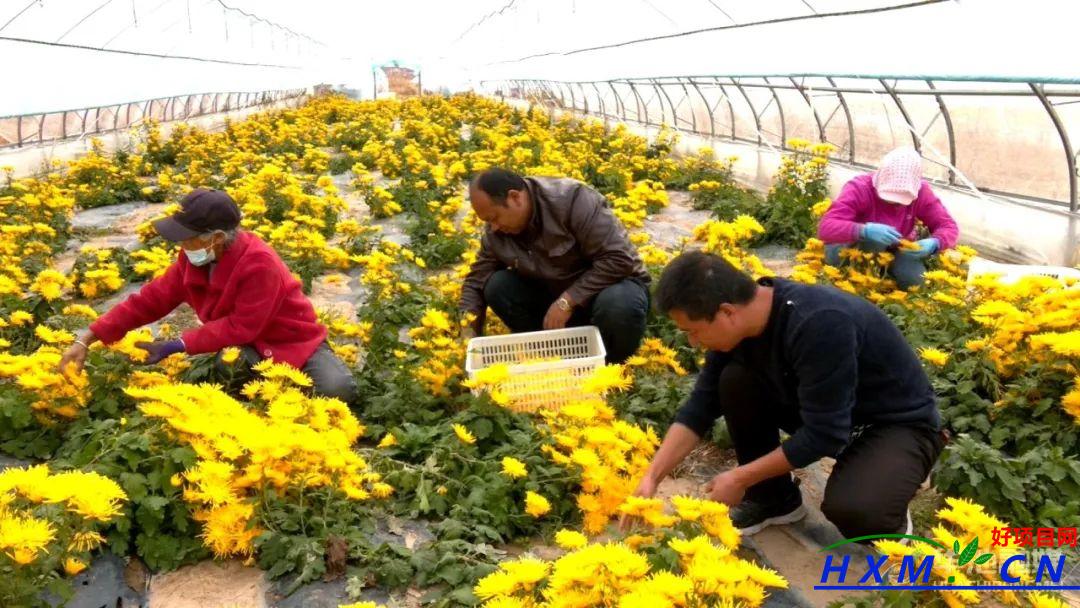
[{"x": 159, "y": 349}]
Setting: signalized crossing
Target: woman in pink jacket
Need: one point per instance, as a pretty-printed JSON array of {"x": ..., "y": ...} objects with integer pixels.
[{"x": 875, "y": 211}]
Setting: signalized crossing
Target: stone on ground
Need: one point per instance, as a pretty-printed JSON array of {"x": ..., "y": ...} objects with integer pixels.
[
  {"x": 674, "y": 222},
  {"x": 210, "y": 585},
  {"x": 122, "y": 218}
]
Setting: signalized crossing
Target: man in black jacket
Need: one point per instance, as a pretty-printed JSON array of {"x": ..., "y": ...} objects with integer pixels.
[{"x": 828, "y": 368}]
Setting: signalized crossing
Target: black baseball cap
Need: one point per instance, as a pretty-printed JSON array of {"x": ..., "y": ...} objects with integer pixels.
[{"x": 202, "y": 210}]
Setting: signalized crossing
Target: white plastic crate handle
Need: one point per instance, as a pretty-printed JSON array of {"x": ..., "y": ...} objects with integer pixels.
[{"x": 476, "y": 347}]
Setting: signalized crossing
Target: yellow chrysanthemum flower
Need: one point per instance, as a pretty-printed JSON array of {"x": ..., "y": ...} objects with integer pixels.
[
  {"x": 570, "y": 539},
  {"x": 229, "y": 355},
  {"x": 73, "y": 566},
  {"x": 513, "y": 468},
  {"x": 49, "y": 335},
  {"x": 270, "y": 370},
  {"x": 934, "y": 355},
  {"x": 464, "y": 435},
  {"x": 536, "y": 505}
]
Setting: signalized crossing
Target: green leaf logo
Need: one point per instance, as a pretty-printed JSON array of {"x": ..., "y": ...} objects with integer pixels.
[
  {"x": 985, "y": 557},
  {"x": 968, "y": 552}
]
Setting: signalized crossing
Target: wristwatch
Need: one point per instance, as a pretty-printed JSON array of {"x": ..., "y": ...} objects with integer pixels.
[{"x": 564, "y": 305}]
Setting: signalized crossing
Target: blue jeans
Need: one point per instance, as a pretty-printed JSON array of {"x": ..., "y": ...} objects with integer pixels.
[
  {"x": 618, "y": 311},
  {"x": 906, "y": 270}
]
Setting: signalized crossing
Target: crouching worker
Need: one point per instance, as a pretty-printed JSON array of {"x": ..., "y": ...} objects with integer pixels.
[
  {"x": 828, "y": 368},
  {"x": 554, "y": 256},
  {"x": 875, "y": 211},
  {"x": 240, "y": 289}
]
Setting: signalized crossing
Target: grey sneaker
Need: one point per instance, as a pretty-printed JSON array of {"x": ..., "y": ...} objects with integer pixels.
[{"x": 751, "y": 517}]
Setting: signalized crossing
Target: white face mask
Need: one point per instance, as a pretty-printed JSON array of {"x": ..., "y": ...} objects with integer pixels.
[{"x": 200, "y": 257}]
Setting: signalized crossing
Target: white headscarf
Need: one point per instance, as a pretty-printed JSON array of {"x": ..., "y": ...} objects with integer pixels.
[{"x": 900, "y": 176}]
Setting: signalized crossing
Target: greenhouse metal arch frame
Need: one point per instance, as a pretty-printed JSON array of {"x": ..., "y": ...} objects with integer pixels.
[
  {"x": 742, "y": 108},
  {"x": 36, "y": 129}
]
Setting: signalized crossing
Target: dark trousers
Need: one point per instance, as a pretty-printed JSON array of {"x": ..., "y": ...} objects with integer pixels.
[
  {"x": 330, "y": 377},
  {"x": 618, "y": 311},
  {"x": 874, "y": 478}
]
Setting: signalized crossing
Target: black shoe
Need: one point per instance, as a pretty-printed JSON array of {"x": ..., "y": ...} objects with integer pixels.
[{"x": 751, "y": 517}]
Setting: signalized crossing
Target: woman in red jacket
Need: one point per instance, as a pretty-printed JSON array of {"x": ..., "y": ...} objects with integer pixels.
[{"x": 240, "y": 289}]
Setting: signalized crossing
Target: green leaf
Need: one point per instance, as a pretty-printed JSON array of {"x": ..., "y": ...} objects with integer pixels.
[
  {"x": 157, "y": 503},
  {"x": 422, "y": 495},
  {"x": 134, "y": 485},
  {"x": 394, "y": 573},
  {"x": 969, "y": 551},
  {"x": 985, "y": 557},
  {"x": 482, "y": 428},
  {"x": 1043, "y": 406},
  {"x": 956, "y": 547},
  {"x": 464, "y": 595},
  {"x": 452, "y": 574},
  {"x": 974, "y": 478},
  {"x": 1011, "y": 486},
  {"x": 1055, "y": 471},
  {"x": 450, "y": 529},
  {"x": 1000, "y": 434},
  {"x": 280, "y": 568}
]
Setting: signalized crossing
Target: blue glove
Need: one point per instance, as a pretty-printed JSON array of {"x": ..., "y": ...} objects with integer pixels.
[
  {"x": 927, "y": 247},
  {"x": 879, "y": 234},
  {"x": 159, "y": 349}
]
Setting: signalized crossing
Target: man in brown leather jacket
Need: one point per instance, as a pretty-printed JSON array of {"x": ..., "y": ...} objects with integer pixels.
[{"x": 554, "y": 256}]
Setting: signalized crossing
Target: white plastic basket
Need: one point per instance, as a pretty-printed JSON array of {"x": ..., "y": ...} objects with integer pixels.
[
  {"x": 1011, "y": 273},
  {"x": 534, "y": 385}
]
